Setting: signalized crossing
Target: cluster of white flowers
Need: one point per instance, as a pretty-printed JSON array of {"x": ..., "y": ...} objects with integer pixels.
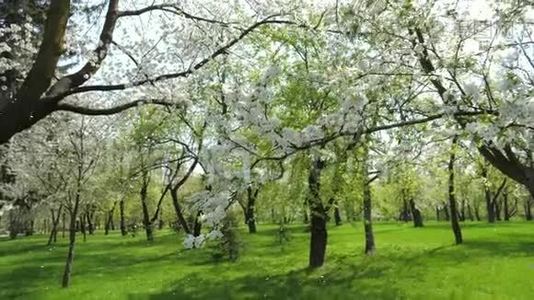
[{"x": 19, "y": 42}]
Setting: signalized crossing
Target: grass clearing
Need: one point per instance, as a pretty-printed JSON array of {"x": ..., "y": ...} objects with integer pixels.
[{"x": 496, "y": 262}]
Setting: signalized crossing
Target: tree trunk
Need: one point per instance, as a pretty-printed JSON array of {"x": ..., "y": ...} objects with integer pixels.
[
  {"x": 63, "y": 224},
  {"x": 72, "y": 240},
  {"x": 367, "y": 213},
  {"x": 144, "y": 205},
  {"x": 249, "y": 210},
  {"x": 505, "y": 205},
  {"x": 90, "y": 225},
  {"x": 178, "y": 211},
  {"x": 416, "y": 213},
  {"x": 319, "y": 235},
  {"x": 528, "y": 208},
  {"x": 487, "y": 195},
  {"x": 55, "y": 222},
  {"x": 109, "y": 222},
  {"x": 337, "y": 215},
  {"x": 452, "y": 197},
  {"x": 197, "y": 228},
  {"x": 83, "y": 228},
  {"x": 437, "y": 213},
  {"x": 124, "y": 232},
  {"x": 405, "y": 213},
  {"x": 497, "y": 209}
]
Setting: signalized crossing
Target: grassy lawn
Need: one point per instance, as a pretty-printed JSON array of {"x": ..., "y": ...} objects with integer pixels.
[{"x": 496, "y": 262}]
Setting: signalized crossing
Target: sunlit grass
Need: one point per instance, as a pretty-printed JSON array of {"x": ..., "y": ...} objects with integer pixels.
[{"x": 496, "y": 262}]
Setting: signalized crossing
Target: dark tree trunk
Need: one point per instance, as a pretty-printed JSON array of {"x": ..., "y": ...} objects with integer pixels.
[
  {"x": 72, "y": 240},
  {"x": 109, "y": 222},
  {"x": 452, "y": 200},
  {"x": 144, "y": 205},
  {"x": 55, "y": 222},
  {"x": 505, "y": 205},
  {"x": 487, "y": 195},
  {"x": 124, "y": 231},
  {"x": 528, "y": 208},
  {"x": 90, "y": 225},
  {"x": 252, "y": 195},
  {"x": 318, "y": 231},
  {"x": 497, "y": 209},
  {"x": 416, "y": 213},
  {"x": 337, "y": 215},
  {"x": 405, "y": 213},
  {"x": 83, "y": 228},
  {"x": 178, "y": 211},
  {"x": 29, "y": 226},
  {"x": 318, "y": 240},
  {"x": 437, "y": 213},
  {"x": 490, "y": 207},
  {"x": 197, "y": 228},
  {"x": 368, "y": 225}
]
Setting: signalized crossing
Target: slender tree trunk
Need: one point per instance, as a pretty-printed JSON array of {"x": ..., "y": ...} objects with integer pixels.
[
  {"x": 318, "y": 231},
  {"x": 452, "y": 197},
  {"x": 72, "y": 240},
  {"x": 109, "y": 222},
  {"x": 367, "y": 210},
  {"x": 497, "y": 209},
  {"x": 55, "y": 222},
  {"x": 124, "y": 232},
  {"x": 487, "y": 195},
  {"x": 437, "y": 213},
  {"x": 63, "y": 224},
  {"x": 178, "y": 211},
  {"x": 405, "y": 213},
  {"x": 416, "y": 213},
  {"x": 528, "y": 208},
  {"x": 90, "y": 225},
  {"x": 144, "y": 205},
  {"x": 197, "y": 228},
  {"x": 505, "y": 205},
  {"x": 83, "y": 228},
  {"x": 250, "y": 209},
  {"x": 337, "y": 215}
]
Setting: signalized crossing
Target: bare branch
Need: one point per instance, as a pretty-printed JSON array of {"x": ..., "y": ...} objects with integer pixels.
[{"x": 112, "y": 110}]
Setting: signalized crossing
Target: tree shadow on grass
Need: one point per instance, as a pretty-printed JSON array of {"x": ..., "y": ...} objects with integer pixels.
[
  {"x": 22, "y": 245},
  {"x": 27, "y": 279},
  {"x": 297, "y": 284}
]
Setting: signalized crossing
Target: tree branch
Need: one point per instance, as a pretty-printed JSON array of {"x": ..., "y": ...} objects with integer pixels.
[
  {"x": 99, "y": 54},
  {"x": 220, "y": 51},
  {"x": 112, "y": 110}
]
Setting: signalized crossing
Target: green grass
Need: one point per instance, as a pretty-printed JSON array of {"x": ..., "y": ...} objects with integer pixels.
[{"x": 496, "y": 262}]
